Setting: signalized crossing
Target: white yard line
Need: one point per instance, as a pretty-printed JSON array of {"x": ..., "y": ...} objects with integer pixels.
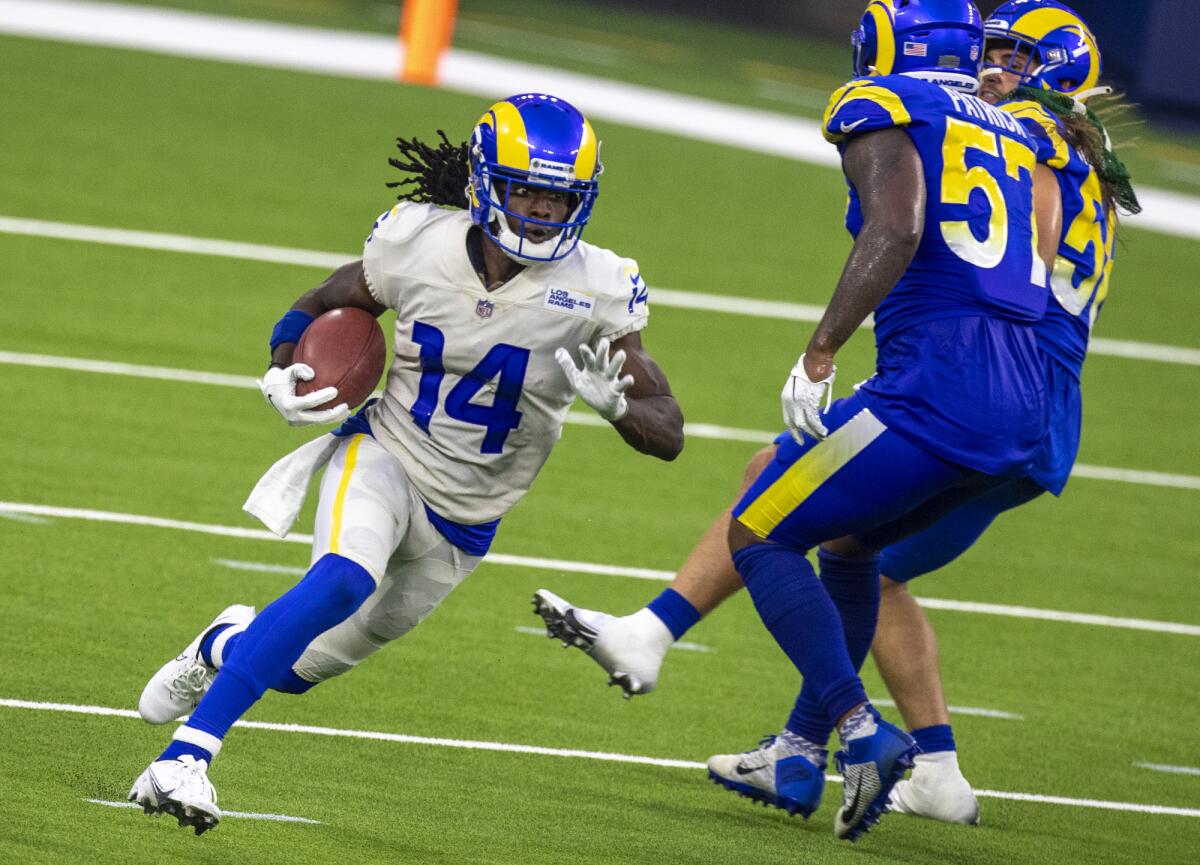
[
  {"x": 569, "y": 753},
  {"x": 1170, "y": 770},
  {"x": 1061, "y": 616},
  {"x": 559, "y": 565},
  {"x": 966, "y": 710},
  {"x": 694, "y": 430},
  {"x": 376, "y": 56},
  {"x": 692, "y": 300},
  {"x": 243, "y": 815},
  {"x": 24, "y": 518}
]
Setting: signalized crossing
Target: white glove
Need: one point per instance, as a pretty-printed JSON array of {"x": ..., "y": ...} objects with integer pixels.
[
  {"x": 279, "y": 387},
  {"x": 802, "y": 402},
  {"x": 599, "y": 383}
]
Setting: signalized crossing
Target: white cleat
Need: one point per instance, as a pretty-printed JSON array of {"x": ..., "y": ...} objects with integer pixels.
[
  {"x": 629, "y": 648},
  {"x": 180, "y": 788},
  {"x": 179, "y": 684},
  {"x": 936, "y": 790}
]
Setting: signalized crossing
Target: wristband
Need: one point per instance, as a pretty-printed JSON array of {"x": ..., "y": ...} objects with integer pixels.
[{"x": 290, "y": 327}]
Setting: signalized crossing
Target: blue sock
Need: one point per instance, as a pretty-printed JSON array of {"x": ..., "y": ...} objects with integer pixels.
[
  {"x": 853, "y": 586},
  {"x": 798, "y": 612},
  {"x": 675, "y": 611},
  {"x": 206, "y": 645},
  {"x": 291, "y": 683},
  {"x": 939, "y": 737},
  {"x": 177, "y": 749},
  {"x": 331, "y": 591}
]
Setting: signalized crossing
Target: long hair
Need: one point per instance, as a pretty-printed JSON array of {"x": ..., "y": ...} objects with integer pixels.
[
  {"x": 1085, "y": 131},
  {"x": 439, "y": 174}
]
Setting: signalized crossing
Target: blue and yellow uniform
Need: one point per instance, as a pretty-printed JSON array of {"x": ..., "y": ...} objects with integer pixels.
[
  {"x": 957, "y": 401},
  {"x": 1078, "y": 287}
]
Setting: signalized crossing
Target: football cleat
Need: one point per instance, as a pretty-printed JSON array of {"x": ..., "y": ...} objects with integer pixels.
[
  {"x": 871, "y": 765},
  {"x": 938, "y": 791},
  {"x": 180, "y": 788},
  {"x": 179, "y": 684},
  {"x": 629, "y": 648},
  {"x": 775, "y": 773}
]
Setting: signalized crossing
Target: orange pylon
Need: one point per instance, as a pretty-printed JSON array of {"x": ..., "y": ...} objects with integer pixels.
[{"x": 426, "y": 27}]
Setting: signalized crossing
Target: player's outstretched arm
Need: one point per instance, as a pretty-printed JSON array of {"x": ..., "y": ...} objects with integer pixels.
[
  {"x": 630, "y": 391},
  {"x": 886, "y": 170},
  {"x": 654, "y": 422}
]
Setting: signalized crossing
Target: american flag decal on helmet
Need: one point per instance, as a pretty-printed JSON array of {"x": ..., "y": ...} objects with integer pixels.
[{"x": 916, "y": 49}]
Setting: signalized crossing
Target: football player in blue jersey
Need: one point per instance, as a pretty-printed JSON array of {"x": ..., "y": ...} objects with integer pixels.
[
  {"x": 1043, "y": 65},
  {"x": 941, "y": 207},
  {"x": 1059, "y": 66}
]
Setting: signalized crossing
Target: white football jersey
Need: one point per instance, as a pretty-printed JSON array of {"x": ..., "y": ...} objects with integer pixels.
[{"x": 474, "y": 399}]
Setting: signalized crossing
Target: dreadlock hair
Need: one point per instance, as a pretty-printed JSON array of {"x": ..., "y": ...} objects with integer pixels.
[
  {"x": 439, "y": 174},
  {"x": 1086, "y": 133}
]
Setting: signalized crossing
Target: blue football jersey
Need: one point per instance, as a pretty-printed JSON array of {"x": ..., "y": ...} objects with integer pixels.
[
  {"x": 978, "y": 255},
  {"x": 1083, "y": 266}
]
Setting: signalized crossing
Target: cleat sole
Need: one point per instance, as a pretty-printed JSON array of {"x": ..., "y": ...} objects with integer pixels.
[{"x": 745, "y": 791}]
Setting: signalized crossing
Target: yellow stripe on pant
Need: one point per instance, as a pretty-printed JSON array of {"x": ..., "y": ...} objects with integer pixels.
[
  {"x": 810, "y": 471},
  {"x": 335, "y": 528}
]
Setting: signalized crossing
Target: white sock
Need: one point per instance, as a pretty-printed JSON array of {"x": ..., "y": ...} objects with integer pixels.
[{"x": 650, "y": 629}]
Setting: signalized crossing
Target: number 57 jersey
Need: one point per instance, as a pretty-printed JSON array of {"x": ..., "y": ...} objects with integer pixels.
[
  {"x": 474, "y": 400},
  {"x": 978, "y": 255}
]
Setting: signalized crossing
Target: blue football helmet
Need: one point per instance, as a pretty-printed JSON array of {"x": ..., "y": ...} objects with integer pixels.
[
  {"x": 938, "y": 40},
  {"x": 1060, "y": 51},
  {"x": 540, "y": 141}
]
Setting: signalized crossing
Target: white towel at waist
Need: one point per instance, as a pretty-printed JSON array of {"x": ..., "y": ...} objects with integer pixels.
[{"x": 278, "y": 496}]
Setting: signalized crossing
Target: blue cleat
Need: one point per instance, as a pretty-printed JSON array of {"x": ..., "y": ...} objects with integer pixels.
[
  {"x": 776, "y": 773},
  {"x": 871, "y": 764}
]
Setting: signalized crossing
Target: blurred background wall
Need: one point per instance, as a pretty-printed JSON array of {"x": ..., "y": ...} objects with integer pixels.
[{"x": 1147, "y": 44}]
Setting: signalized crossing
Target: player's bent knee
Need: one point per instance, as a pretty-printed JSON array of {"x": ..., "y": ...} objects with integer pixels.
[
  {"x": 346, "y": 581},
  {"x": 757, "y": 463}
]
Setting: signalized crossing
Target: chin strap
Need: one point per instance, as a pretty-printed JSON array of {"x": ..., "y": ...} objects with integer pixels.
[{"x": 510, "y": 242}]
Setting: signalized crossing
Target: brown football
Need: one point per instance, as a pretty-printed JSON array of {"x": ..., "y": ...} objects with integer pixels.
[{"x": 346, "y": 349}]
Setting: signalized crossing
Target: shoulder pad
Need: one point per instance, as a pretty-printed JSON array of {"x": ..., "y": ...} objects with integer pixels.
[
  {"x": 1044, "y": 128},
  {"x": 864, "y": 105},
  {"x": 403, "y": 221}
]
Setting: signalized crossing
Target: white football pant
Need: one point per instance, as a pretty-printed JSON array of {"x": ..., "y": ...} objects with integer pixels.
[{"x": 369, "y": 513}]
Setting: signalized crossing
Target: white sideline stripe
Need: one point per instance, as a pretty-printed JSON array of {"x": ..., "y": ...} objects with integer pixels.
[
  {"x": 695, "y": 430},
  {"x": 966, "y": 710},
  {"x": 492, "y": 558},
  {"x": 1173, "y": 770},
  {"x": 261, "y": 567},
  {"x": 692, "y": 300},
  {"x": 587, "y": 568},
  {"x": 1102, "y": 804},
  {"x": 25, "y": 518},
  {"x": 682, "y": 645},
  {"x": 606, "y": 756},
  {"x": 375, "y": 56},
  {"x": 1060, "y": 616},
  {"x": 244, "y": 815}
]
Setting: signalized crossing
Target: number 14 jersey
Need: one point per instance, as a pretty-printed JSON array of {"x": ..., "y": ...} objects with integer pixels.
[{"x": 474, "y": 399}]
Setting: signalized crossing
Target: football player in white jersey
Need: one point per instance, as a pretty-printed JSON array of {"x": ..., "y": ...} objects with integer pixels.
[{"x": 503, "y": 317}]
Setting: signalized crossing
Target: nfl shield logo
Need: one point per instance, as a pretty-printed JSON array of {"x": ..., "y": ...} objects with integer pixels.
[{"x": 484, "y": 308}]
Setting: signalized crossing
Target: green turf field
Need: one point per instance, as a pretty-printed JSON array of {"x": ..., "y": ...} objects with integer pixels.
[{"x": 122, "y": 139}]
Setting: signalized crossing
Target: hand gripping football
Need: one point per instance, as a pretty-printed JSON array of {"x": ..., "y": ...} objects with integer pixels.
[{"x": 346, "y": 349}]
